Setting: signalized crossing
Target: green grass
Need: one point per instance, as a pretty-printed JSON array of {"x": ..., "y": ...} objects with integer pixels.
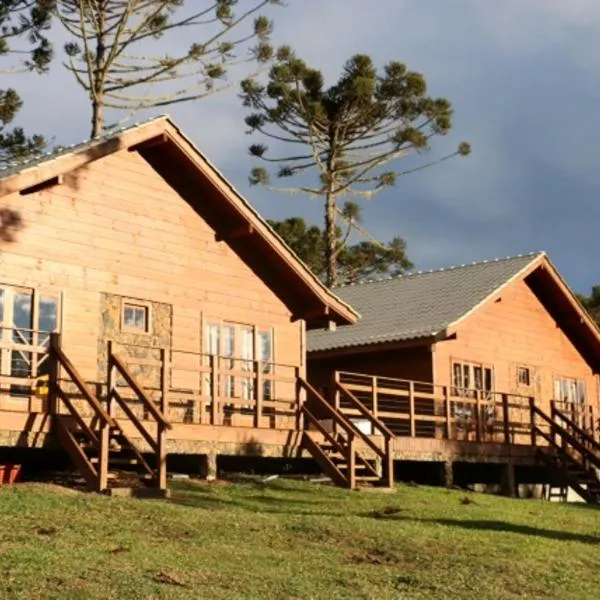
[{"x": 294, "y": 540}]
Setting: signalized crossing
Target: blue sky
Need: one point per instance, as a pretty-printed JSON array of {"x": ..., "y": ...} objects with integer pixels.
[{"x": 523, "y": 77}]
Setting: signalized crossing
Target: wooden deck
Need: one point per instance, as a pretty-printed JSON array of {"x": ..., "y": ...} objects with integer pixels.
[{"x": 231, "y": 406}]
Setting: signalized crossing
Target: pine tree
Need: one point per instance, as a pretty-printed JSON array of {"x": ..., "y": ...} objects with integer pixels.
[
  {"x": 346, "y": 134},
  {"x": 115, "y": 49},
  {"x": 355, "y": 262},
  {"x": 25, "y": 47}
]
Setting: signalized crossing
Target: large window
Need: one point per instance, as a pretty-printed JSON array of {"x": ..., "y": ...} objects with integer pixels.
[
  {"x": 27, "y": 318},
  {"x": 472, "y": 380},
  {"x": 239, "y": 347},
  {"x": 569, "y": 390}
]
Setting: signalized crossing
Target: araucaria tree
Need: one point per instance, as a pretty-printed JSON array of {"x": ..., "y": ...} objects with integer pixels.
[
  {"x": 23, "y": 47},
  {"x": 354, "y": 261},
  {"x": 347, "y": 134},
  {"x": 118, "y": 50}
]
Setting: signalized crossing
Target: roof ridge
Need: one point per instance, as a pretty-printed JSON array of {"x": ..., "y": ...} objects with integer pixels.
[
  {"x": 60, "y": 149},
  {"x": 533, "y": 254}
]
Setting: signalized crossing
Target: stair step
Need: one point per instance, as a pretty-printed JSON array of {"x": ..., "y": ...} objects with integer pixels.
[
  {"x": 117, "y": 460},
  {"x": 367, "y": 478}
]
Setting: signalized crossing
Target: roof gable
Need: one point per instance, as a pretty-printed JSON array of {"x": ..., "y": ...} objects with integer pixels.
[
  {"x": 432, "y": 305},
  {"x": 161, "y": 143},
  {"x": 418, "y": 306}
]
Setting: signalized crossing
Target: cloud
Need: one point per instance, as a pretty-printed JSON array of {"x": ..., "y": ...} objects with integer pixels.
[{"x": 522, "y": 77}]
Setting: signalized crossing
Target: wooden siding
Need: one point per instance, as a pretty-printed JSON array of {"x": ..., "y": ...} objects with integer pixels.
[
  {"x": 115, "y": 226},
  {"x": 402, "y": 363},
  {"x": 515, "y": 330}
]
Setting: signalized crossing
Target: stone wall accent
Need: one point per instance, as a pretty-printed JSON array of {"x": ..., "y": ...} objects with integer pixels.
[{"x": 131, "y": 345}]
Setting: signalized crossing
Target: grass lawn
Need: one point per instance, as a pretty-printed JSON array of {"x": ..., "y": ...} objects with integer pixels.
[{"x": 294, "y": 540}]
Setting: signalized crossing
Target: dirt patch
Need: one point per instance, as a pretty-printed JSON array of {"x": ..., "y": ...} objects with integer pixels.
[{"x": 376, "y": 556}]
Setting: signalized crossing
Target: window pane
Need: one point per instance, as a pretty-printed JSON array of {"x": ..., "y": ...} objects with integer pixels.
[
  {"x": 128, "y": 317},
  {"x": 212, "y": 339},
  {"x": 22, "y": 317},
  {"x": 457, "y": 375},
  {"x": 478, "y": 378},
  {"x": 247, "y": 343},
  {"x": 1, "y": 305},
  {"x": 140, "y": 318},
  {"x": 48, "y": 320},
  {"x": 488, "y": 380},
  {"x": 228, "y": 348}
]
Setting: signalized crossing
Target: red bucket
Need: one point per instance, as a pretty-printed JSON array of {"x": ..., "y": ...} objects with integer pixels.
[{"x": 9, "y": 474}]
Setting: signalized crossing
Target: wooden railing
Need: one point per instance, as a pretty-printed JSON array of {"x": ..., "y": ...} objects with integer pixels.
[
  {"x": 343, "y": 436},
  {"x": 95, "y": 476},
  {"x": 158, "y": 414},
  {"x": 201, "y": 388},
  {"x": 421, "y": 409},
  {"x": 581, "y": 415}
]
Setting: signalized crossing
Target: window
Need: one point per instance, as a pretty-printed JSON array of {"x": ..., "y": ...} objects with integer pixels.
[
  {"x": 524, "y": 376},
  {"x": 27, "y": 318},
  {"x": 136, "y": 317},
  {"x": 239, "y": 347},
  {"x": 570, "y": 390},
  {"x": 469, "y": 381},
  {"x": 469, "y": 378}
]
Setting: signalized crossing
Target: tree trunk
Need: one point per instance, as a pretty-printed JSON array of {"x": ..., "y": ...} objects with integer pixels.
[
  {"x": 97, "y": 115},
  {"x": 330, "y": 240},
  {"x": 97, "y": 77}
]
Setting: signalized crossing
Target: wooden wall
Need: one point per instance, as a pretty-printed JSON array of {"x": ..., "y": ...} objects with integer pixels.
[
  {"x": 402, "y": 363},
  {"x": 115, "y": 227},
  {"x": 513, "y": 331}
]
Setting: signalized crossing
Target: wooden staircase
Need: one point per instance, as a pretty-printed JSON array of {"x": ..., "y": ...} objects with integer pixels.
[
  {"x": 572, "y": 455},
  {"x": 345, "y": 454},
  {"x": 99, "y": 447}
]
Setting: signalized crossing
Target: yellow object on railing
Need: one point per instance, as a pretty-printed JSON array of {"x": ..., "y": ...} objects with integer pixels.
[{"x": 41, "y": 386}]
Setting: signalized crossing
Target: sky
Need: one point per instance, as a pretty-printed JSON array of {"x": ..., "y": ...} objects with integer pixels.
[{"x": 523, "y": 77}]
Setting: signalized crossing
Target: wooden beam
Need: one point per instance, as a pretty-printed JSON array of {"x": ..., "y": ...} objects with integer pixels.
[
  {"x": 236, "y": 233},
  {"x": 157, "y": 140},
  {"x": 42, "y": 185},
  {"x": 316, "y": 313}
]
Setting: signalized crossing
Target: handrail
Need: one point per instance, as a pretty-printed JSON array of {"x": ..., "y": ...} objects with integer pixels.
[
  {"x": 586, "y": 436},
  {"x": 341, "y": 419},
  {"x": 366, "y": 412},
  {"x": 134, "y": 419},
  {"x": 571, "y": 439},
  {"x": 146, "y": 401},
  {"x": 61, "y": 357}
]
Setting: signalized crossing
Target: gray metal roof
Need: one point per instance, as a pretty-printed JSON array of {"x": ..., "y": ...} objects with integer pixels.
[{"x": 417, "y": 305}]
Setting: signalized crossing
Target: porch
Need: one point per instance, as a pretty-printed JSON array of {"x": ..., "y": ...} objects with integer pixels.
[{"x": 161, "y": 401}]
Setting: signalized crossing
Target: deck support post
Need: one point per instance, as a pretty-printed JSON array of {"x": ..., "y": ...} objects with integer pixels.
[
  {"x": 508, "y": 483},
  {"x": 208, "y": 465},
  {"x": 161, "y": 430},
  {"x": 54, "y": 375},
  {"x": 447, "y": 473}
]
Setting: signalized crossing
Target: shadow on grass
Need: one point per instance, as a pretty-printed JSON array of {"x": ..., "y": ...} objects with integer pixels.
[
  {"x": 255, "y": 500},
  {"x": 504, "y": 527}
]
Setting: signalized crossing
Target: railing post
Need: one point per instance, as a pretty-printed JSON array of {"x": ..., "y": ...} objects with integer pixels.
[
  {"x": 411, "y": 408},
  {"x": 506, "y": 418},
  {"x": 374, "y": 395},
  {"x": 161, "y": 430},
  {"x": 300, "y": 400},
  {"x": 388, "y": 462},
  {"x": 351, "y": 460},
  {"x": 104, "y": 449},
  {"x": 53, "y": 377},
  {"x": 448, "y": 412},
  {"x": 592, "y": 422},
  {"x": 478, "y": 424},
  {"x": 258, "y": 409},
  {"x": 337, "y": 404},
  {"x": 532, "y": 418}
]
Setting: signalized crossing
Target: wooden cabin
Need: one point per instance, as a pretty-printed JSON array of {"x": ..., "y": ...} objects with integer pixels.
[
  {"x": 463, "y": 354},
  {"x": 141, "y": 254}
]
